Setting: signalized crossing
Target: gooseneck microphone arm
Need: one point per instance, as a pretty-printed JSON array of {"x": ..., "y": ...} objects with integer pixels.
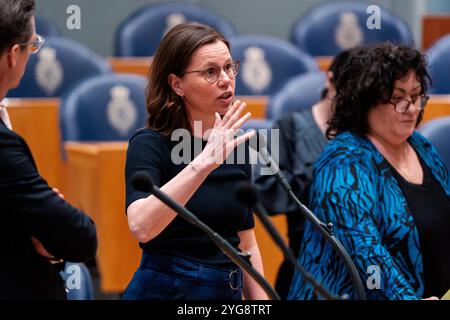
[
  {"x": 248, "y": 196},
  {"x": 142, "y": 181},
  {"x": 326, "y": 230}
]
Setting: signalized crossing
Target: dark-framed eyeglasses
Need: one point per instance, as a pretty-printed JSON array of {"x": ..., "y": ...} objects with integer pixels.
[
  {"x": 212, "y": 74},
  {"x": 34, "y": 45},
  {"x": 402, "y": 105}
]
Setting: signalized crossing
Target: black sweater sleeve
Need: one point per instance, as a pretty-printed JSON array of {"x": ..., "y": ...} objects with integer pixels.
[{"x": 32, "y": 207}]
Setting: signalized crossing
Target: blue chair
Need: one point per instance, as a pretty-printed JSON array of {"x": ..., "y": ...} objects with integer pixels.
[
  {"x": 58, "y": 66},
  {"x": 267, "y": 63},
  {"x": 46, "y": 28},
  {"x": 437, "y": 132},
  {"x": 78, "y": 281},
  {"x": 301, "y": 92},
  {"x": 104, "y": 108},
  {"x": 140, "y": 34},
  {"x": 329, "y": 28},
  {"x": 439, "y": 66}
]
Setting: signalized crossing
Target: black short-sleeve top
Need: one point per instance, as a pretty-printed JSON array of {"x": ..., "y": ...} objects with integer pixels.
[{"x": 214, "y": 202}]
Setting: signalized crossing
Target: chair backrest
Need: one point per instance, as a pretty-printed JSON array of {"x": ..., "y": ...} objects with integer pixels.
[
  {"x": 437, "y": 132},
  {"x": 140, "y": 34},
  {"x": 301, "y": 92},
  {"x": 104, "y": 108},
  {"x": 267, "y": 63},
  {"x": 78, "y": 281},
  {"x": 46, "y": 28},
  {"x": 329, "y": 28},
  {"x": 58, "y": 66},
  {"x": 439, "y": 66}
]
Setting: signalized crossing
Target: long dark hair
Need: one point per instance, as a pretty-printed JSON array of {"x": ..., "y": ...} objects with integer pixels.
[
  {"x": 15, "y": 22},
  {"x": 339, "y": 62},
  {"x": 165, "y": 108},
  {"x": 368, "y": 80}
]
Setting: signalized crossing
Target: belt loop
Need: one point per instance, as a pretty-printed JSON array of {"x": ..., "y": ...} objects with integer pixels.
[{"x": 234, "y": 278}]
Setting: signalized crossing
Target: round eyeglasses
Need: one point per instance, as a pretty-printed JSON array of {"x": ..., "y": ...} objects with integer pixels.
[
  {"x": 212, "y": 73},
  {"x": 34, "y": 45},
  {"x": 402, "y": 105}
]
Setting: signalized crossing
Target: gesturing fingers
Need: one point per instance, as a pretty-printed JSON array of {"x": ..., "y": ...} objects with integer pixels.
[
  {"x": 217, "y": 120},
  {"x": 244, "y": 137},
  {"x": 241, "y": 121},
  {"x": 234, "y": 115},
  {"x": 230, "y": 112}
]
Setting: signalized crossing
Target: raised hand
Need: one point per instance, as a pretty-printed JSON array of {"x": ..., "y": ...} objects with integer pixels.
[{"x": 221, "y": 141}]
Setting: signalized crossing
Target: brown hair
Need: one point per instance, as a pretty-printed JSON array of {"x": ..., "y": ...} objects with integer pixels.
[
  {"x": 15, "y": 22},
  {"x": 165, "y": 108}
]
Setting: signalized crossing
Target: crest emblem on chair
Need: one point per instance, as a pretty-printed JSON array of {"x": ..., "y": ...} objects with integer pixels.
[
  {"x": 122, "y": 113},
  {"x": 173, "y": 20},
  {"x": 348, "y": 33},
  {"x": 256, "y": 72},
  {"x": 49, "y": 72}
]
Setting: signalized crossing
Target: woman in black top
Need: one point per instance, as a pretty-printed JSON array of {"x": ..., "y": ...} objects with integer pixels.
[{"x": 190, "y": 96}]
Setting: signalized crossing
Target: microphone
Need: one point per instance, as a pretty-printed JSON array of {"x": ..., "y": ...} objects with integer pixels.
[
  {"x": 326, "y": 230},
  {"x": 247, "y": 194},
  {"x": 259, "y": 143},
  {"x": 142, "y": 181}
]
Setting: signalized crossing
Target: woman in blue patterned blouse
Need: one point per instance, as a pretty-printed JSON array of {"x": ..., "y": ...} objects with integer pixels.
[{"x": 381, "y": 184}]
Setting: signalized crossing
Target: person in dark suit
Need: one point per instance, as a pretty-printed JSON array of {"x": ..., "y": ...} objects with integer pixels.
[{"x": 39, "y": 229}]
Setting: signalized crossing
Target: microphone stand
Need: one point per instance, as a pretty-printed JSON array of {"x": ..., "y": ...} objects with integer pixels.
[
  {"x": 289, "y": 255},
  {"x": 222, "y": 243},
  {"x": 326, "y": 230}
]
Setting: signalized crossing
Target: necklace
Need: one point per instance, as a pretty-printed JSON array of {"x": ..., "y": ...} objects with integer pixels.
[{"x": 402, "y": 165}]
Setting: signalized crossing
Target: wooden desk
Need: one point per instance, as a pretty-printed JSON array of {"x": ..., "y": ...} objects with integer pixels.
[
  {"x": 37, "y": 121},
  {"x": 272, "y": 256},
  {"x": 438, "y": 106},
  {"x": 434, "y": 27},
  {"x": 324, "y": 62},
  {"x": 257, "y": 105},
  {"x": 136, "y": 65},
  {"x": 141, "y": 65},
  {"x": 96, "y": 185}
]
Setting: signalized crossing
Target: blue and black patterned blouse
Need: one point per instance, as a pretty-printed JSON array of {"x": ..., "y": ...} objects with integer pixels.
[{"x": 355, "y": 189}]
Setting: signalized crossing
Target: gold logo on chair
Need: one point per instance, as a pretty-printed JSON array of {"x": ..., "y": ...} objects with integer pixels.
[
  {"x": 256, "y": 72},
  {"x": 348, "y": 33},
  {"x": 122, "y": 113},
  {"x": 49, "y": 72}
]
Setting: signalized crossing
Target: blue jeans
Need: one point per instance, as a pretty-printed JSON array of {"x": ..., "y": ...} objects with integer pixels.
[{"x": 161, "y": 277}]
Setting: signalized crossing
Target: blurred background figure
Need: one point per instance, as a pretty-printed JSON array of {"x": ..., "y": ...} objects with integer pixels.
[
  {"x": 381, "y": 184},
  {"x": 302, "y": 139}
]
